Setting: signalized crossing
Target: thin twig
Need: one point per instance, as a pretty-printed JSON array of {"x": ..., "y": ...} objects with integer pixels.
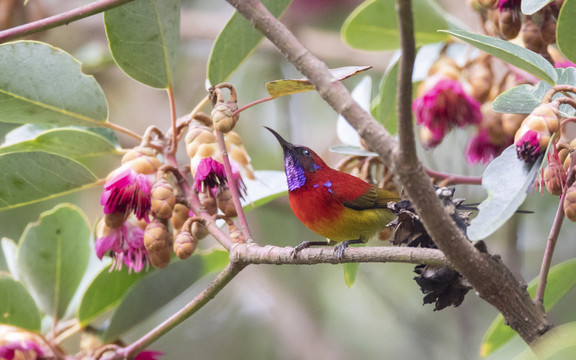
[
  {"x": 122, "y": 129},
  {"x": 173, "y": 127},
  {"x": 60, "y": 19},
  {"x": 256, "y": 102},
  {"x": 451, "y": 179}
]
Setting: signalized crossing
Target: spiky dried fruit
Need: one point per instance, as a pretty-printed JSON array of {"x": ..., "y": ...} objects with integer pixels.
[
  {"x": 163, "y": 199},
  {"x": 185, "y": 244}
]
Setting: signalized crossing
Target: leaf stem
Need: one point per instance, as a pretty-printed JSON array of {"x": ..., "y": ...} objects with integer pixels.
[
  {"x": 451, "y": 179},
  {"x": 174, "y": 145},
  {"x": 253, "y": 103},
  {"x": 233, "y": 187},
  {"x": 122, "y": 129},
  {"x": 60, "y": 19}
]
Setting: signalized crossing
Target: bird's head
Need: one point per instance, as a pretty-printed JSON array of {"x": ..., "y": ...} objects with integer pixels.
[{"x": 299, "y": 162}]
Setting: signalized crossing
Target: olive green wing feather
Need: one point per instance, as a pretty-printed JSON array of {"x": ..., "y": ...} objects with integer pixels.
[{"x": 374, "y": 198}]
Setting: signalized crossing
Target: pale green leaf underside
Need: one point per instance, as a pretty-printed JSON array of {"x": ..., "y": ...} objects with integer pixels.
[
  {"x": 18, "y": 308},
  {"x": 529, "y": 7},
  {"x": 144, "y": 38},
  {"x": 28, "y": 177},
  {"x": 41, "y": 84},
  {"x": 373, "y": 25},
  {"x": 53, "y": 255},
  {"x": 565, "y": 30}
]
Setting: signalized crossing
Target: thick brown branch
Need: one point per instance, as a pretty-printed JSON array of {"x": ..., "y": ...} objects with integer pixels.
[{"x": 491, "y": 279}]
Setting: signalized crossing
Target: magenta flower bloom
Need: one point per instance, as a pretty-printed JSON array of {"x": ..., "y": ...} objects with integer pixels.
[
  {"x": 125, "y": 244},
  {"x": 28, "y": 349},
  {"x": 209, "y": 174},
  {"x": 528, "y": 146},
  {"x": 127, "y": 191},
  {"x": 444, "y": 106},
  {"x": 149, "y": 355},
  {"x": 480, "y": 149},
  {"x": 564, "y": 64}
]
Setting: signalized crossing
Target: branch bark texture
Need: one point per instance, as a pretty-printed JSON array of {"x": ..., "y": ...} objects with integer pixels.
[{"x": 490, "y": 278}]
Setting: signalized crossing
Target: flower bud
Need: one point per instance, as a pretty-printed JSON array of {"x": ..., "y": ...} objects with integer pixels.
[
  {"x": 235, "y": 234},
  {"x": 480, "y": 77},
  {"x": 142, "y": 160},
  {"x": 548, "y": 30},
  {"x": 509, "y": 24},
  {"x": 158, "y": 243},
  {"x": 223, "y": 116},
  {"x": 180, "y": 214},
  {"x": 511, "y": 123},
  {"x": 554, "y": 177},
  {"x": 531, "y": 36},
  {"x": 226, "y": 203},
  {"x": 163, "y": 199},
  {"x": 207, "y": 202},
  {"x": 488, "y": 4},
  {"x": 185, "y": 244},
  {"x": 570, "y": 203},
  {"x": 195, "y": 138},
  {"x": 533, "y": 136},
  {"x": 199, "y": 230},
  {"x": 115, "y": 219}
]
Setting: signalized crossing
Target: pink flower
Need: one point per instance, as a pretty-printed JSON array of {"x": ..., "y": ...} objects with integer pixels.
[
  {"x": 564, "y": 64},
  {"x": 446, "y": 105},
  {"x": 125, "y": 244},
  {"x": 148, "y": 355},
  {"x": 27, "y": 349},
  {"x": 480, "y": 149},
  {"x": 528, "y": 146},
  {"x": 127, "y": 191},
  {"x": 209, "y": 174}
]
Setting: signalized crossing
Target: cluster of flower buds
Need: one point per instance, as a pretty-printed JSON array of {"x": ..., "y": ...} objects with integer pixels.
[
  {"x": 534, "y": 134},
  {"x": 147, "y": 216},
  {"x": 504, "y": 18},
  {"x": 18, "y": 344}
]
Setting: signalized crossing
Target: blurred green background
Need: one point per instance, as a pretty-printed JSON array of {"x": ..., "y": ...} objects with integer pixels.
[{"x": 298, "y": 312}]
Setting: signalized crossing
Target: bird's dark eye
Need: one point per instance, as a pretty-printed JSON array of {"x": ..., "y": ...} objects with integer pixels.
[{"x": 306, "y": 152}]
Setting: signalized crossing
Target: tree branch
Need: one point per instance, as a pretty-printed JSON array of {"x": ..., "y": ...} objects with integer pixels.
[
  {"x": 491, "y": 279},
  {"x": 60, "y": 19}
]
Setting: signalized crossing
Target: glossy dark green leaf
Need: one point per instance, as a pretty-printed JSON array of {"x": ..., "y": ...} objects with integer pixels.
[
  {"x": 507, "y": 180},
  {"x": 513, "y": 54},
  {"x": 144, "y": 37},
  {"x": 565, "y": 31},
  {"x": 41, "y": 84},
  {"x": 373, "y": 25},
  {"x": 561, "y": 279},
  {"x": 17, "y": 306},
  {"x": 105, "y": 292},
  {"x": 28, "y": 177},
  {"x": 236, "y": 42},
  {"x": 73, "y": 143},
  {"x": 529, "y": 7},
  {"x": 522, "y": 99},
  {"x": 53, "y": 255}
]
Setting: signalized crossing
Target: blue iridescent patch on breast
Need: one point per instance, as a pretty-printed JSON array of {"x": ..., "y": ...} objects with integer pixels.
[
  {"x": 294, "y": 173},
  {"x": 328, "y": 185}
]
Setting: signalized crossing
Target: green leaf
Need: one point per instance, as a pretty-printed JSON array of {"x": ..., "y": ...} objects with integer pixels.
[
  {"x": 561, "y": 279},
  {"x": 73, "y": 143},
  {"x": 10, "y": 250},
  {"x": 236, "y": 42},
  {"x": 384, "y": 105},
  {"x": 214, "y": 259},
  {"x": 513, "y": 54},
  {"x": 144, "y": 38},
  {"x": 293, "y": 86},
  {"x": 351, "y": 150},
  {"x": 17, "y": 306},
  {"x": 350, "y": 271},
  {"x": 152, "y": 293},
  {"x": 53, "y": 255},
  {"x": 105, "y": 292},
  {"x": 373, "y": 25},
  {"x": 530, "y": 7},
  {"x": 268, "y": 186},
  {"x": 28, "y": 177},
  {"x": 31, "y": 131},
  {"x": 523, "y": 99},
  {"x": 556, "y": 344},
  {"x": 507, "y": 180},
  {"x": 40, "y": 84},
  {"x": 565, "y": 32}
]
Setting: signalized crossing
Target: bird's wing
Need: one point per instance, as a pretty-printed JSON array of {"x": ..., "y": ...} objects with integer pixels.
[{"x": 373, "y": 198}]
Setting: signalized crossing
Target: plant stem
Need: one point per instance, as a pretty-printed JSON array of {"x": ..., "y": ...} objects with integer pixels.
[
  {"x": 233, "y": 187},
  {"x": 451, "y": 179},
  {"x": 225, "y": 276},
  {"x": 122, "y": 129},
  {"x": 174, "y": 145},
  {"x": 60, "y": 19},
  {"x": 256, "y": 102}
]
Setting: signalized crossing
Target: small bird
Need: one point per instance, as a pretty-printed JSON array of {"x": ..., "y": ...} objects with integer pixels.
[{"x": 339, "y": 206}]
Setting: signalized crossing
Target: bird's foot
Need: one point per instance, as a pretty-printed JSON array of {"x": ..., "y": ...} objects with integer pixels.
[
  {"x": 306, "y": 245},
  {"x": 340, "y": 248}
]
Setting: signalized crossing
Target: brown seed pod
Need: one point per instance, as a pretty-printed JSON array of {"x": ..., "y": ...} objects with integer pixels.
[
  {"x": 570, "y": 203},
  {"x": 158, "y": 242},
  {"x": 226, "y": 204},
  {"x": 162, "y": 198},
  {"x": 185, "y": 244}
]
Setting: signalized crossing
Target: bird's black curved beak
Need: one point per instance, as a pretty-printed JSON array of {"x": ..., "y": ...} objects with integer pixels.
[{"x": 286, "y": 146}]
